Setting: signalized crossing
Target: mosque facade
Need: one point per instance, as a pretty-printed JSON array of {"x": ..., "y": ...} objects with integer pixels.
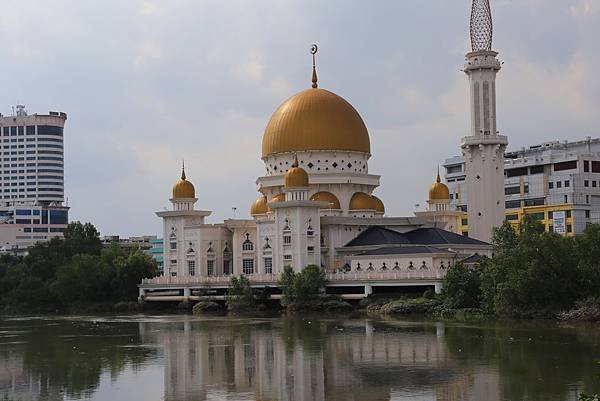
[
  {"x": 316, "y": 196},
  {"x": 318, "y": 202}
]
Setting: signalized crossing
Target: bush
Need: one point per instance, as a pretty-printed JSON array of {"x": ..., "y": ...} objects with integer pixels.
[
  {"x": 462, "y": 287},
  {"x": 585, "y": 310},
  {"x": 336, "y": 305},
  {"x": 302, "y": 290},
  {"x": 418, "y": 306},
  {"x": 240, "y": 296},
  {"x": 207, "y": 307}
]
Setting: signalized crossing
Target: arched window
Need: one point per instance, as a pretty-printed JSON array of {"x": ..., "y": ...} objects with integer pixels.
[
  {"x": 226, "y": 260},
  {"x": 247, "y": 245}
]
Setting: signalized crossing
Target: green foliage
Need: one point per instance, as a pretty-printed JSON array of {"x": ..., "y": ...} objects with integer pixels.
[
  {"x": 462, "y": 287},
  {"x": 534, "y": 270},
  {"x": 286, "y": 283},
  {"x": 73, "y": 271},
  {"x": 302, "y": 290},
  {"x": 240, "y": 296},
  {"x": 589, "y": 397}
]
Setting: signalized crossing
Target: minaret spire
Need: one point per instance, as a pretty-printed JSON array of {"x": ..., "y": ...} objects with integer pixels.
[
  {"x": 481, "y": 25},
  {"x": 183, "y": 169},
  {"x": 313, "y": 50},
  {"x": 483, "y": 149}
]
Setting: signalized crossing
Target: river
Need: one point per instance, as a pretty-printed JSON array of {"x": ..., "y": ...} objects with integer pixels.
[{"x": 184, "y": 357}]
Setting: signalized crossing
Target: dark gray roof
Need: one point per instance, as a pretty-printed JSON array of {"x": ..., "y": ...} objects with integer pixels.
[
  {"x": 403, "y": 250},
  {"x": 437, "y": 236},
  {"x": 475, "y": 258},
  {"x": 376, "y": 235}
]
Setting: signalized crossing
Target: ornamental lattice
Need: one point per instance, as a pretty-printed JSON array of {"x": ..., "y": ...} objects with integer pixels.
[{"x": 481, "y": 25}]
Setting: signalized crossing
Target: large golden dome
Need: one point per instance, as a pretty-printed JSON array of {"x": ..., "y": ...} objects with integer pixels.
[
  {"x": 315, "y": 119},
  {"x": 183, "y": 189},
  {"x": 439, "y": 190}
]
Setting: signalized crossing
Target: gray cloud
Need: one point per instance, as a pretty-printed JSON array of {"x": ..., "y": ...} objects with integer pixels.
[{"x": 149, "y": 83}]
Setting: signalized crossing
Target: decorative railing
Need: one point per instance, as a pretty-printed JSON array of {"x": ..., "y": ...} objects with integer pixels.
[{"x": 392, "y": 275}]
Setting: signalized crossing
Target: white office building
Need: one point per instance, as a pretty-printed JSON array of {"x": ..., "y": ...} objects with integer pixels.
[{"x": 31, "y": 179}]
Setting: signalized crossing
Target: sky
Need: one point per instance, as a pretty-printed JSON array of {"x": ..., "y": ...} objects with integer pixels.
[{"x": 147, "y": 84}]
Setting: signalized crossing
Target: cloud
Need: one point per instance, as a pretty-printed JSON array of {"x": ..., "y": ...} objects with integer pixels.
[
  {"x": 146, "y": 85},
  {"x": 585, "y": 8}
]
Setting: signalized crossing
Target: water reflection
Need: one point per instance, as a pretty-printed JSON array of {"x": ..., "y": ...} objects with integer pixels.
[{"x": 189, "y": 358}]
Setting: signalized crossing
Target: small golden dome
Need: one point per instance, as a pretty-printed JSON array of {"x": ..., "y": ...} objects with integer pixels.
[
  {"x": 259, "y": 206},
  {"x": 328, "y": 197},
  {"x": 315, "y": 119},
  {"x": 183, "y": 189},
  {"x": 439, "y": 190},
  {"x": 296, "y": 177},
  {"x": 362, "y": 201},
  {"x": 379, "y": 206},
  {"x": 278, "y": 198}
]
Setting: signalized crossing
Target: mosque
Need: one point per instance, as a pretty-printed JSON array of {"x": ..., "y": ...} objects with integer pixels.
[
  {"x": 317, "y": 205},
  {"x": 316, "y": 197}
]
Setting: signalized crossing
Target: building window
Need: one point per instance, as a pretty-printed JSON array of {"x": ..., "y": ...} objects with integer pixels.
[
  {"x": 210, "y": 267},
  {"x": 586, "y": 183},
  {"x": 268, "y": 265},
  {"x": 587, "y": 214},
  {"x": 287, "y": 258},
  {"x": 567, "y": 184},
  {"x": 594, "y": 184},
  {"x": 586, "y": 166},
  {"x": 310, "y": 232},
  {"x": 566, "y": 198},
  {"x": 226, "y": 261},
  {"x": 192, "y": 267},
  {"x": 287, "y": 239},
  {"x": 512, "y": 217},
  {"x": 587, "y": 199},
  {"x": 247, "y": 245},
  {"x": 551, "y": 185},
  {"x": 537, "y": 216},
  {"x": 248, "y": 266},
  {"x": 568, "y": 214},
  {"x": 571, "y": 165},
  {"x": 569, "y": 228},
  {"x": 512, "y": 190},
  {"x": 173, "y": 245},
  {"x": 512, "y": 204},
  {"x": 558, "y": 184},
  {"x": 310, "y": 249}
]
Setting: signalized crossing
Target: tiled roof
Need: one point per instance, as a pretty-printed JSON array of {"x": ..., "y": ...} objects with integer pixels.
[{"x": 376, "y": 235}]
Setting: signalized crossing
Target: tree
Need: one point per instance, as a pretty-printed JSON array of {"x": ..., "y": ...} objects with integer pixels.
[
  {"x": 286, "y": 283},
  {"x": 302, "y": 290},
  {"x": 531, "y": 271},
  {"x": 587, "y": 250},
  {"x": 82, "y": 239},
  {"x": 240, "y": 295},
  {"x": 462, "y": 287}
]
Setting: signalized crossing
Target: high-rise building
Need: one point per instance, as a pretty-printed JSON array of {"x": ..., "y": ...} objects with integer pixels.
[
  {"x": 484, "y": 147},
  {"x": 31, "y": 178},
  {"x": 557, "y": 183}
]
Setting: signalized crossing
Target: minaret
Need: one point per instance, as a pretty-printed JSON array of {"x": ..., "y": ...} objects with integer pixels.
[{"x": 484, "y": 148}]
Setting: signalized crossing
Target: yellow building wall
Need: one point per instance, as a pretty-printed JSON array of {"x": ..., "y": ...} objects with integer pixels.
[{"x": 516, "y": 215}]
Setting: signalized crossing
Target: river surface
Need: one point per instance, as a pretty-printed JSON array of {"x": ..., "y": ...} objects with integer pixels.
[{"x": 183, "y": 357}]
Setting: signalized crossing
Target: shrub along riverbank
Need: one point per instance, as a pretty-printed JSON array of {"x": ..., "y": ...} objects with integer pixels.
[{"x": 73, "y": 274}]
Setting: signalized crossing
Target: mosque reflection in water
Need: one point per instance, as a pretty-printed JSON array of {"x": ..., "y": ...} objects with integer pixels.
[
  {"x": 298, "y": 359},
  {"x": 122, "y": 358}
]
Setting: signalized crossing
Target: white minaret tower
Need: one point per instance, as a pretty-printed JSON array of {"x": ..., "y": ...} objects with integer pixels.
[{"x": 484, "y": 148}]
